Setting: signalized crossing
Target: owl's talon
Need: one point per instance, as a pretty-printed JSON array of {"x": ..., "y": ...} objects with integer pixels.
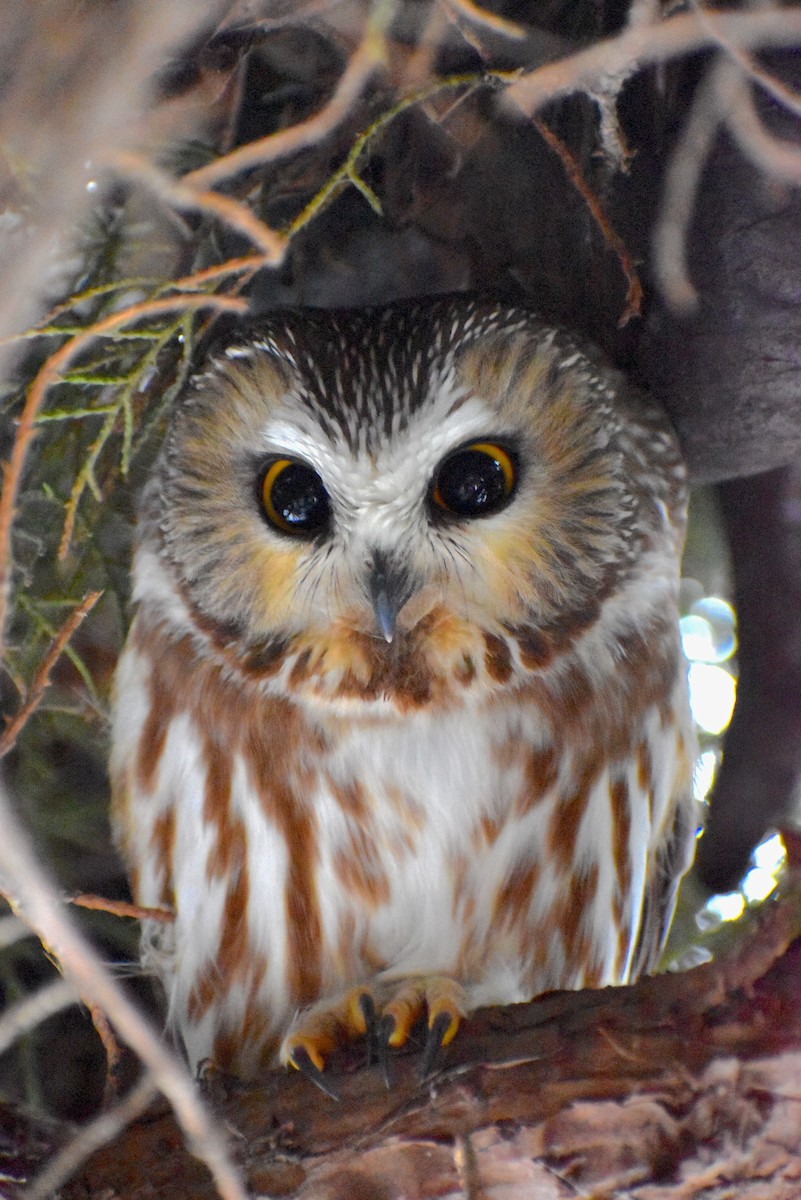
[
  {"x": 302, "y": 1061},
  {"x": 437, "y": 1038},
  {"x": 385, "y": 1013},
  {"x": 366, "y": 1006},
  {"x": 384, "y": 1031}
]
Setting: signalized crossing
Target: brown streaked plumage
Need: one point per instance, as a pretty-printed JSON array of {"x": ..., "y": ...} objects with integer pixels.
[{"x": 402, "y": 720}]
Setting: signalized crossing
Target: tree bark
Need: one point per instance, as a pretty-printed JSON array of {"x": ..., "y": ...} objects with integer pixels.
[{"x": 679, "y": 1086}]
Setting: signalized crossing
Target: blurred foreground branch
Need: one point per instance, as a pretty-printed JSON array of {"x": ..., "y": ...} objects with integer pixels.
[{"x": 35, "y": 901}]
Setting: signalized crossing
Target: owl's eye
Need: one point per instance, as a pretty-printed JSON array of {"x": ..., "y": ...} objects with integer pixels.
[
  {"x": 293, "y": 498},
  {"x": 475, "y": 481}
]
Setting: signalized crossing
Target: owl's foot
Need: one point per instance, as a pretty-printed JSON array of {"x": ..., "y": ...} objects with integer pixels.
[
  {"x": 385, "y": 1012},
  {"x": 439, "y": 998}
]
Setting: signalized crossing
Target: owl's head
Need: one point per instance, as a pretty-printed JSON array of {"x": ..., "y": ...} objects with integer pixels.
[{"x": 368, "y": 491}]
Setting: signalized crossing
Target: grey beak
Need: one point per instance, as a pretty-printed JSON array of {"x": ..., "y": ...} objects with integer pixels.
[{"x": 390, "y": 588}]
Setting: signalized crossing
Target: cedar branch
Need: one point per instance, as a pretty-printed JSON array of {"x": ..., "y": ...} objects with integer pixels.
[{"x": 41, "y": 679}]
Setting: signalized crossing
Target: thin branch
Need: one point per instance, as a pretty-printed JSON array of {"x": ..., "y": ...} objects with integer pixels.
[
  {"x": 97, "y": 1133},
  {"x": 634, "y": 293},
  {"x": 780, "y": 92},
  {"x": 90, "y": 293},
  {"x": 642, "y": 45},
  {"x": 184, "y": 196},
  {"x": 122, "y": 908},
  {"x": 245, "y": 265},
  {"x": 466, "y": 1163},
  {"x": 41, "y": 679},
  {"x": 50, "y": 373},
  {"x": 36, "y": 901},
  {"x": 419, "y": 64},
  {"x": 80, "y": 666},
  {"x": 362, "y": 65},
  {"x": 348, "y": 171},
  {"x": 26, "y": 1014},
  {"x": 12, "y": 931},
  {"x": 680, "y": 187},
  {"x": 644, "y": 12},
  {"x": 111, "y": 1047},
  {"x": 84, "y": 479},
  {"x": 777, "y": 158},
  {"x": 480, "y": 16}
]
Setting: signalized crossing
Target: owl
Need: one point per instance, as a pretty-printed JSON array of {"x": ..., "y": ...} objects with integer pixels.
[{"x": 401, "y": 724}]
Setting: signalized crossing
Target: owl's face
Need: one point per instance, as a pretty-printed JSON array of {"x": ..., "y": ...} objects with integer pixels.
[{"x": 383, "y": 479}]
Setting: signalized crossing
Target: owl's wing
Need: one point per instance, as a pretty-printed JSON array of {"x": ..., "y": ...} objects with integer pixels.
[{"x": 668, "y": 863}]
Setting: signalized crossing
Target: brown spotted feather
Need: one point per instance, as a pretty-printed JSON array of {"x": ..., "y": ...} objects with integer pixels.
[{"x": 497, "y": 791}]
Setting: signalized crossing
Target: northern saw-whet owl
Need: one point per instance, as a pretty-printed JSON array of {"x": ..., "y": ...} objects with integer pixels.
[{"x": 401, "y": 725}]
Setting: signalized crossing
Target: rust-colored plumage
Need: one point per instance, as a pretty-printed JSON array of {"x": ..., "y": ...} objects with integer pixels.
[{"x": 401, "y": 723}]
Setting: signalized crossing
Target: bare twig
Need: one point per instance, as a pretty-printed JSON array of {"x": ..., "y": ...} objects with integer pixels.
[
  {"x": 681, "y": 183},
  {"x": 643, "y": 44},
  {"x": 245, "y": 265},
  {"x": 77, "y": 79},
  {"x": 466, "y": 1162},
  {"x": 362, "y": 65},
  {"x": 49, "y": 374},
  {"x": 111, "y": 1047},
  {"x": 774, "y": 87},
  {"x": 178, "y": 193},
  {"x": 36, "y": 901},
  {"x": 12, "y": 931},
  {"x": 26, "y": 1014},
  {"x": 122, "y": 908},
  {"x": 644, "y": 12},
  {"x": 97, "y": 1133},
  {"x": 480, "y": 16},
  {"x": 777, "y": 158},
  {"x": 634, "y": 293},
  {"x": 41, "y": 679}
]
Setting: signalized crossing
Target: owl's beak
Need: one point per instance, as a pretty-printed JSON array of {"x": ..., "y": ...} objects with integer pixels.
[{"x": 390, "y": 588}]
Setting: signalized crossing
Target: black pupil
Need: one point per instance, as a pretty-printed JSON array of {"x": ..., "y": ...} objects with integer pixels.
[
  {"x": 299, "y": 498},
  {"x": 471, "y": 483}
]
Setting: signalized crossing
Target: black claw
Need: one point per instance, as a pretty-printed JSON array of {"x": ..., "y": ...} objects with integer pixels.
[
  {"x": 436, "y": 1032},
  {"x": 367, "y": 1008},
  {"x": 385, "y": 1030},
  {"x": 385, "y": 1064},
  {"x": 301, "y": 1060}
]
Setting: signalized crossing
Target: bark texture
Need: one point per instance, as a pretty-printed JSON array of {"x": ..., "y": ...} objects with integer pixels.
[{"x": 684, "y": 1085}]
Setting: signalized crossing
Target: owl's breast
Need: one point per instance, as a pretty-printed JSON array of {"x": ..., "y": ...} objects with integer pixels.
[
  {"x": 441, "y": 661},
  {"x": 308, "y": 847}
]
